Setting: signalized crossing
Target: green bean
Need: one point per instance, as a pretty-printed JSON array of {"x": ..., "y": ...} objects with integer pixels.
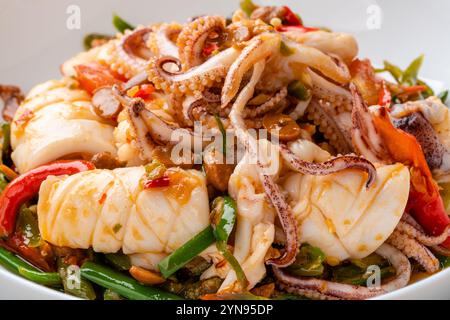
[
  {"x": 122, "y": 284},
  {"x": 13, "y": 263},
  {"x": 73, "y": 283}
]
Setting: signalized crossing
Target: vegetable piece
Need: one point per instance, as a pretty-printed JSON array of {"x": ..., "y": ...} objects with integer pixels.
[
  {"x": 444, "y": 261},
  {"x": 118, "y": 260},
  {"x": 109, "y": 294},
  {"x": 18, "y": 266},
  {"x": 290, "y": 18},
  {"x": 122, "y": 284},
  {"x": 308, "y": 263},
  {"x": 155, "y": 170},
  {"x": 186, "y": 252},
  {"x": 157, "y": 183},
  {"x": 146, "y": 276},
  {"x": 248, "y": 6},
  {"x": 285, "y": 50},
  {"x": 105, "y": 104},
  {"x": 27, "y": 226},
  {"x": 145, "y": 91},
  {"x": 73, "y": 283},
  {"x": 223, "y": 132},
  {"x": 95, "y": 39},
  {"x": 93, "y": 76},
  {"x": 6, "y": 141},
  {"x": 411, "y": 73},
  {"x": 395, "y": 71},
  {"x": 27, "y": 186},
  {"x": 8, "y": 172},
  {"x": 223, "y": 218},
  {"x": 282, "y": 126},
  {"x": 121, "y": 25},
  {"x": 443, "y": 96},
  {"x": 3, "y": 181},
  {"x": 384, "y": 96},
  {"x": 298, "y": 90}
]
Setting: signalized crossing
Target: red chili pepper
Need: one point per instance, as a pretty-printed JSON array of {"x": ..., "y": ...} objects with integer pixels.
[
  {"x": 296, "y": 28},
  {"x": 26, "y": 186},
  {"x": 145, "y": 91},
  {"x": 384, "y": 96},
  {"x": 290, "y": 18},
  {"x": 413, "y": 89},
  {"x": 209, "y": 48},
  {"x": 157, "y": 183}
]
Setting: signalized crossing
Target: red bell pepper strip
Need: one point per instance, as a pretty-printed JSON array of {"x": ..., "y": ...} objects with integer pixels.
[
  {"x": 384, "y": 96},
  {"x": 424, "y": 203},
  {"x": 26, "y": 186},
  {"x": 290, "y": 18},
  {"x": 296, "y": 28},
  {"x": 145, "y": 91},
  {"x": 157, "y": 183}
]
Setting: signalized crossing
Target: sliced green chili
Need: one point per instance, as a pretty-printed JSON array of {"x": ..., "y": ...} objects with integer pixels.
[
  {"x": 109, "y": 294},
  {"x": 121, "y": 25},
  {"x": 13, "y": 263},
  {"x": 223, "y": 219},
  {"x": 186, "y": 252},
  {"x": 223, "y": 132},
  {"x": 73, "y": 283},
  {"x": 27, "y": 225},
  {"x": 443, "y": 96},
  {"x": 122, "y": 284},
  {"x": 90, "y": 38},
  {"x": 412, "y": 71},
  {"x": 308, "y": 263},
  {"x": 118, "y": 260},
  {"x": 298, "y": 90}
]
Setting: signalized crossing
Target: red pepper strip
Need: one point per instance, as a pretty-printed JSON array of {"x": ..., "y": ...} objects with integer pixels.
[
  {"x": 26, "y": 186},
  {"x": 413, "y": 89},
  {"x": 209, "y": 49},
  {"x": 145, "y": 91},
  {"x": 384, "y": 96},
  {"x": 290, "y": 18},
  {"x": 157, "y": 183},
  {"x": 424, "y": 202},
  {"x": 296, "y": 28}
]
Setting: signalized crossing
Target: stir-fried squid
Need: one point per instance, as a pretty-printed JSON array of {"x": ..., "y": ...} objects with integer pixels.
[{"x": 227, "y": 158}]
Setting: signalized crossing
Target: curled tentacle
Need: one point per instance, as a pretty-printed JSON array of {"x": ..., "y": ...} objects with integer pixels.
[
  {"x": 259, "y": 48},
  {"x": 337, "y": 96},
  {"x": 194, "y": 36},
  {"x": 133, "y": 52},
  {"x": 267, "y": 106},
  {"x": 328, "y": 125},
  {"x": 413, "y": 249},
  {"x": 421, "y": 236},
  {"x": 317, "y": 288},
  {"x": 161, "y": 40},
  {"x": 365, "y": 136},
  {"x": 331, "y": 166},
  {"x": 196, "y": 79},
  {"x": 271, "y": 189}
]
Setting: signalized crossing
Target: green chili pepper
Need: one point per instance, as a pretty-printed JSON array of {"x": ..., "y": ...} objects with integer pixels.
[
  {"x": 285, "y": 50},
  {"x": 121, "y": 25},
  {"x": 109, "y": 294},
  {"x": 444, "y": 261},
  {"x": 309, "y": 262},
  {"x": 298, "y": 90},
  {"x": 13, "y": 263},
  {"x": 395, "y": 71},
  {"x": 223, "y": 132},
  {"x": 443, "y": 96},
  {"x": 122, "y": 284},
  {"x": 27, "y": 225},
  {"x": 73, "y": 283},
  {"x": 119, "y": 260},
  {"x": 87, "y": 41},
  {"x": 223, "y": 218},
  {"x": 248, "y": 6},
  {"x": 186, "y": 252}
]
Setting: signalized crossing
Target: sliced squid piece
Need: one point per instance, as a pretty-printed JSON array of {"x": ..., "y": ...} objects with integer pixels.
[
  {"x": 108, "y": 210},
  {"x": 56, "y": 121},
  {"x": 339, "y": 215}
]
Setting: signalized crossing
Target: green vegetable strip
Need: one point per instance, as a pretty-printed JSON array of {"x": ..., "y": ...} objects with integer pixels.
[
  {"x": 248, "y": 6},
  {"x": 122, "y": 284},
  {"x": 412, "y": 71},
  {"x": 44, "y": 278},
  {"x": 186, "y": 252},
  {"x": 87, "y": 41},
  {"x": 119, "y": 260},
  {"x": 223, "y": 132},
  {"x": 240, "y": 274},
  {"x": 13, "y": 263},
  {"x": 121, "y": 25}
]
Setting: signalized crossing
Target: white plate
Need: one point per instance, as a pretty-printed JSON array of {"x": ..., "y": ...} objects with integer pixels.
[{"x": 35, "y": 41}]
